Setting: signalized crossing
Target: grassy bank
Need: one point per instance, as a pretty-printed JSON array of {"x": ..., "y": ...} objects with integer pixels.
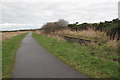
[
  {"x": 8, "y": 54},
  {"x": 95, "y": 61},
  {"x": 0, "y": 59}
]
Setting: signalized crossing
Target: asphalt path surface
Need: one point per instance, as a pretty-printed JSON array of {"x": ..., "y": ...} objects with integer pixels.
[{"x": 33, "y": 61}]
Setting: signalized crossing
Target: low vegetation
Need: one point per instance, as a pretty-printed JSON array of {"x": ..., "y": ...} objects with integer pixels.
[
  {"x": 89, "y": 34},
  {"x": 9, "y": 47},
  {"x": 7, "y": 35},
  {"x": 96, "y": 61},
  {"x": 54, "y": 26},
  {"x": 112, "y": 28},
  {"x": 0, "y": 59}
]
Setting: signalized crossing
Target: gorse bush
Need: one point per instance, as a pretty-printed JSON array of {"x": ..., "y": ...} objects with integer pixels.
[{"x": 112, "y": 28}]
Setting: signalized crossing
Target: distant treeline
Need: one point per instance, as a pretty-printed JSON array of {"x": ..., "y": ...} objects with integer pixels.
[
  {"x": 112, "y": 28},
  {"x": 21, "y": 30}
]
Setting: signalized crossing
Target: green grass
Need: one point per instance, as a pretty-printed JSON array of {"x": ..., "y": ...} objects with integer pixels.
[
  {"x": 94, "y": 61},
  {"x": 9, "y": 48},
  {"x": 0, "y": 59}
]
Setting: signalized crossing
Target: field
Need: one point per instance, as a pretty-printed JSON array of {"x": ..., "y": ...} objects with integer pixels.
[
  {"x": 10, "y": 42},
  {"x": 8, "y": 35},
  {"x": 0, "y": 57},
  {"x": 94, "y": 60}
]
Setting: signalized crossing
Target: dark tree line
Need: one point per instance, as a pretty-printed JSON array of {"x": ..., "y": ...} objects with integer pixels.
[{"x": 112, "y": 28}]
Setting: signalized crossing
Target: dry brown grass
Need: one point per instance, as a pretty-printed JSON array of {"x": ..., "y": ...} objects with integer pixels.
[
  {"x": 39, "y": 31},
  {"x": 0, "y": 35},
  {"x": 89, "y": 34},
  {"x": 8, "y": 35},
  {"x": 52, "y": 34},
  {"x": 115, "y": 45}
]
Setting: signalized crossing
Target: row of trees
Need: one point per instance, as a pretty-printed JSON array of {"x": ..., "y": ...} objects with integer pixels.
[{"x": 112, "y": 28}]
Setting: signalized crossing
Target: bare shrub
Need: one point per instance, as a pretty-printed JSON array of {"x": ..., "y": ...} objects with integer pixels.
[{"x": 54, "y": 26}]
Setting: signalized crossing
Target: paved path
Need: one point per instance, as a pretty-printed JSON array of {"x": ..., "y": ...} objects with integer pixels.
[{"x": 32, "y": 61}]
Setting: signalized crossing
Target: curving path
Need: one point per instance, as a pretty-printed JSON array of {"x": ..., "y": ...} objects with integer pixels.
[{"x": 32, "y": 61}]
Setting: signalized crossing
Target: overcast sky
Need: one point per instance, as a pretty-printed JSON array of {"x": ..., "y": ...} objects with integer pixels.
[{"x": 42, "y": 11}]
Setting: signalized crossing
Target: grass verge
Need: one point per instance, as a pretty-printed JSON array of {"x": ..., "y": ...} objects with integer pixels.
[
  {"x": 0, "y": 59},
  {"x": 9, "y": 48},
  {"x": 94, "y": 61}
]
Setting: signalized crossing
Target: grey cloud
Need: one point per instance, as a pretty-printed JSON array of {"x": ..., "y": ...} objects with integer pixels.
[
  {"x": 43, "y": 10},
  {"x": 46, "y": 11}
]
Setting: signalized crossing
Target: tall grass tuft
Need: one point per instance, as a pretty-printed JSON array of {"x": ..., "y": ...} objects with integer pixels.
[{"x": 115, "y": 45}]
